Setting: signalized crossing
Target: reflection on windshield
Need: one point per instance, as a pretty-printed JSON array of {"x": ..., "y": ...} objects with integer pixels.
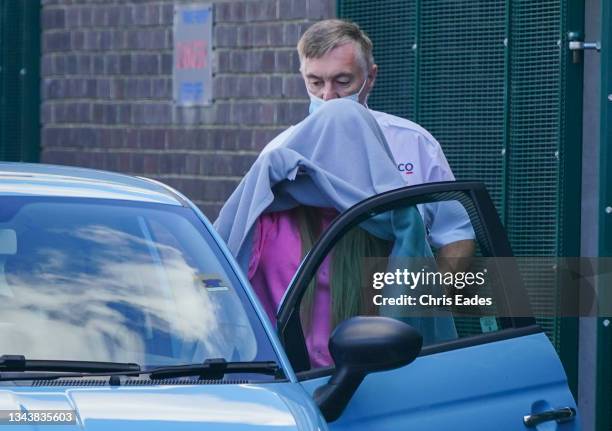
[{"x": 111, "y": 283}]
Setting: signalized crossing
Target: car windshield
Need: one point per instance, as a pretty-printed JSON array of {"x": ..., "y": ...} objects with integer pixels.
[{"x": 104, "y": 280}]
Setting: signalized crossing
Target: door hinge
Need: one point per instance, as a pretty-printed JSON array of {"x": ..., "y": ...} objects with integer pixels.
[{"x": 577, "y": 45}]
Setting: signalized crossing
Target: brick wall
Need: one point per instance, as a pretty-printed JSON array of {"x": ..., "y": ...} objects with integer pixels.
[{"x": 107, "y": 90}]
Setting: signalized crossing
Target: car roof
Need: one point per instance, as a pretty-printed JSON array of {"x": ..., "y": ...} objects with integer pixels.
[{"x": 31, "y": 179}]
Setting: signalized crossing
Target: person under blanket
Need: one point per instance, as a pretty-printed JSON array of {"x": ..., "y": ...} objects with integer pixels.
[{"x": 332, "y": 160}]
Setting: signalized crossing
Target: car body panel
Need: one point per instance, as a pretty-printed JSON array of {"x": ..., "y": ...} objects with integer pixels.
[
  {"x": 49, "y": 180},
  {"x": 279, "y": 406},
  {"x": 488, "y": 386}
]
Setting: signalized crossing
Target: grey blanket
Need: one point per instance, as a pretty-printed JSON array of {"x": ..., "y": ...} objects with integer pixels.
[{"x": 334, "y": 158}]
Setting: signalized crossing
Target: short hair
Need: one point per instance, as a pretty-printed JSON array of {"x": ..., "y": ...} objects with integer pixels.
[{"x": 323, "y": 36}]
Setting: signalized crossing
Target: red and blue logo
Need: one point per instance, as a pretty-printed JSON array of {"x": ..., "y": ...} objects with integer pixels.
[{"x": 407, "y": 168}]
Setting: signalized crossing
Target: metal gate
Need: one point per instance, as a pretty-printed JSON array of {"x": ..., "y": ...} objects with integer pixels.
[{"x": 494, "y": 82}]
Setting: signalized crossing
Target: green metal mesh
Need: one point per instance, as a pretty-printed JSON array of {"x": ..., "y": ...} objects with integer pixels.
[
  {"x": 461, "y": 93},
  {"x": 534, "y": 142},
  {"x": 391, "y": 24},
  {"x": 461, "y": 86},
  {"x": 10, "y": 61},
  {"x": 19, "y": 92},
  {"x": 486, "y": 81}
]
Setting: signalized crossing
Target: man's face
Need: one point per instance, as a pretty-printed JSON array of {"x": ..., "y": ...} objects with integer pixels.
[{"x": 338, "y": 73}]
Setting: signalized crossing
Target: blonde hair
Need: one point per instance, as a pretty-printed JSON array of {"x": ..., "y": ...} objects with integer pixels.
[
  {"x": 348, "y": 298},
  {"x": 323, "y": 36}
]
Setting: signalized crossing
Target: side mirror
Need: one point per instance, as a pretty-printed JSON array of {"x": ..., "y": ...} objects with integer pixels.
[{"x": 363, "y": 345}]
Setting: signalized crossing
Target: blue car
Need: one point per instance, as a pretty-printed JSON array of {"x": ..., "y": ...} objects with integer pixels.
[{"x": 121, "y": 308}]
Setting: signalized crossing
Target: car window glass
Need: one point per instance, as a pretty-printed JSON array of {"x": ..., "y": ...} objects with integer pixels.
[
  {"x": 111, "y": 281},
  {"x": 386, "y": 265}
]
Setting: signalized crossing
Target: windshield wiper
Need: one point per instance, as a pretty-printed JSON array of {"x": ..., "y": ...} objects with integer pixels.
[
  {"x": 213, "y": 369},
  {"x": 216, "y": 369},
  {"x": 17, "y": 363}
]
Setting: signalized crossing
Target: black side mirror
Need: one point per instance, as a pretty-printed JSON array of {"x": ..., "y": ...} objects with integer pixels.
[{"x": 359, "y": 346}]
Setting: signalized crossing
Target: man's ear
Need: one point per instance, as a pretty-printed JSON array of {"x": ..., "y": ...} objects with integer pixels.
[
  {"x": 372, "y": 76},
  {"x": 370, "y": 82}
]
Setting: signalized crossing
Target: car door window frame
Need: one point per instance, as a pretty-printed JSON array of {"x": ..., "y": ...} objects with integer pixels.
[{"x": 492, "y": 236}]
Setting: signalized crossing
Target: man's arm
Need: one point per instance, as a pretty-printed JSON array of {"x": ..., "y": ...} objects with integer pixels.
[
  {"x": 456, "y": 256},
  {"x": 448, "y": 223}
]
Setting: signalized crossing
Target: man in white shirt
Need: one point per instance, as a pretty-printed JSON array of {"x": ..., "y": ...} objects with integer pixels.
[{"x": 336, "y": 62}]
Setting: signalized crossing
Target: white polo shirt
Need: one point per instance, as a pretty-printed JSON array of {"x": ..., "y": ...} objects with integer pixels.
[{"x": 419, "y": 159}]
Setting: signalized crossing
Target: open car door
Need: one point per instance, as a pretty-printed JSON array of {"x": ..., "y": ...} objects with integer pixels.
[{"x": 494, "y": 369}]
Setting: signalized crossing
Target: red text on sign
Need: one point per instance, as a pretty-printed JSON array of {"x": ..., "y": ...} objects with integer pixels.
[{"x": 191, "y": 55}]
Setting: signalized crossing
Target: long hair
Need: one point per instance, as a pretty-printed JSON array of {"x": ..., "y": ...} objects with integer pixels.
[{"x": 348, "y": 298}]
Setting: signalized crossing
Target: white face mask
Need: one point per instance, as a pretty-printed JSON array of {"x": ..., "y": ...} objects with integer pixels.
[{"x": 316, "y": 102}]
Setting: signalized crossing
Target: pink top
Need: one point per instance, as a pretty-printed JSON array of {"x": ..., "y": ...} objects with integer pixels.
[{"x": 276, "y": 255}]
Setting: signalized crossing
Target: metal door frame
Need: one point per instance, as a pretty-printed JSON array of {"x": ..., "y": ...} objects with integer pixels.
[{"x": 604, "y": 327}]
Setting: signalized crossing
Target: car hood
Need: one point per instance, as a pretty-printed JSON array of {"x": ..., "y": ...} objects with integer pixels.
[{"x": 276, "y": 406}]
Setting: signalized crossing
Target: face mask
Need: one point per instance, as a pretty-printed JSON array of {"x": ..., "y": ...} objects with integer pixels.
[{"x": 316, "y": 102}]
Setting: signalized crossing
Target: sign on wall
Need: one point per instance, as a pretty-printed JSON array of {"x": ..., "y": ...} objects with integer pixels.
[{"x": 192, "y": 67}]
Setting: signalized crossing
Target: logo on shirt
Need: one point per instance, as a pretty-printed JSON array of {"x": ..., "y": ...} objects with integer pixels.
[{"x": 407, "y": 168}]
